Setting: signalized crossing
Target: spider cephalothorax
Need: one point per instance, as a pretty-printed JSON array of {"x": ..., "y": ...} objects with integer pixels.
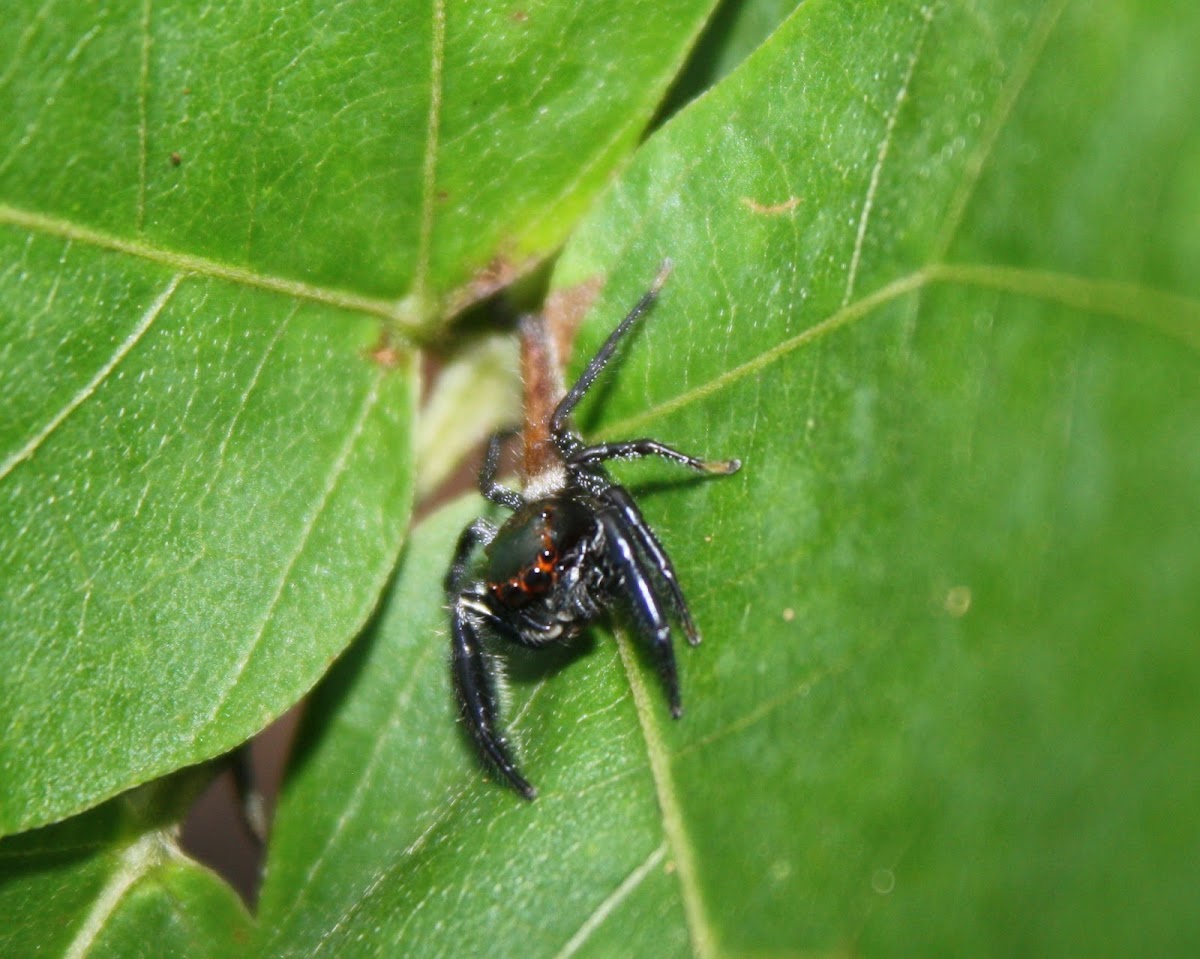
[{"x": 575, "y": 545}]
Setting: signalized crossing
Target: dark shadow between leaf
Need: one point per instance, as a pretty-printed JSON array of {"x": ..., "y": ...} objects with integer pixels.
[{"x": 338, "y": 684}]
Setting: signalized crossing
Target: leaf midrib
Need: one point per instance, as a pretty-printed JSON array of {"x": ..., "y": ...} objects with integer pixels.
[
  {"x": 700, "y": 930},
  {"x": 398, "y": 313},
  {"x": 429, "y": 162},
  {"x": 1171, "y": 314},
  {"x": 134, "y": 864}
]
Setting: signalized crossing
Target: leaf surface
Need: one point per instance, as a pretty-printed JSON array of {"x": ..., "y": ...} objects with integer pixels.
[
  {"x": 219, "y": 229},
  {"x": 387, "y": 150},
  {"x": 933, "y": 284},
  {"x": 112, "y": 882},
  {"x": 203, "y": 489}
]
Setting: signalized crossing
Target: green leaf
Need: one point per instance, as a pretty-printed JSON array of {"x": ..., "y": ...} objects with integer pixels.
[
  {"x": 217, "y": 227},
  {"x": 389, "y": 149},
  {"x": 113, "y": 882},
  {"x": 203, "y": 490},
  {"x": 387, "y": 829},
  {"x": 476, "y": 393},
  {"x": 736, "y": 29},
  {"x": 935, "y": 285}
]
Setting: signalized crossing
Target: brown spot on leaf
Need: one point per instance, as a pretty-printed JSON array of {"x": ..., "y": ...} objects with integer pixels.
[
  {"x": 771, "y": 209},
  {"x": 176, "y": 159},
  {"x": 498, "y": 274},
  {"x": 519, "y": 16},
  {"x": 385, "y": 352}
]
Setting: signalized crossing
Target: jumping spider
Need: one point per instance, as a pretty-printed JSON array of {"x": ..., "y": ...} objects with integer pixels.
[{"x": 575, "y": 545}]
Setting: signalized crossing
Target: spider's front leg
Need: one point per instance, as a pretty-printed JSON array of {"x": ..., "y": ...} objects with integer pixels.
[
  {"x": 471, "y": 664},
  {"x": 641, "y": 533},
  {"x": 642, "y": 595},
  {"x": 565, "y": 438},
  {"x": 475, "y": 688},
  {"x": 635, "y": 449}
]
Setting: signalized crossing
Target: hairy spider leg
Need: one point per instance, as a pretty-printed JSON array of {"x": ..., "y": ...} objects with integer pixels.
[
  {"x": 577, "y": 454},
  {"x": 500, "y": 495},
  {"x": 633, "y": 449},
  {"x": 633, "y": 553},
  {"x": 470, "y": 664},
  {"x": 629, "y": 449},
  {"x": 477, "y": 698},
  {"x": 564, "y": 437},
  {"x": 646, "y": 606},
  {"x": 479, "y": 533}
]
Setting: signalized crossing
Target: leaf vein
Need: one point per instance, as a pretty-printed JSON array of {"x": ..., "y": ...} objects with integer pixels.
[
  {"x": 143, "y": 325},
  {"x": 1172, "y": 314},
  {"x": 611, "y": 902},
  {"x": 398, "y": 318},
  {"x": 881, "y": 156},
  {"x": 242, "y": 404},
  {"x": 134, "y": 863},
  {"x": 1011, "y": 92},
  {"x": 834, "y": 321},
  {"x": 377, "y": 880},
  {"x": 366, "y": 773},
  {"x": 63, "y": 76},
  {"x": 310, "y": 524},
  {"x": 429, "y": 164},
  {"x": 143, "y": 94},
  {"x": 700, "y": 930},
  {"x": 638, "y": 120}
]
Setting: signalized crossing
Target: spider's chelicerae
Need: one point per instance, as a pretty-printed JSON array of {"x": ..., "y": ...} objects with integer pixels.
[{"x": 575, "y": 545}]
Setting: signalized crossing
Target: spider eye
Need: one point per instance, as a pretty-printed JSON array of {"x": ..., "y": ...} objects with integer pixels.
[
  {"x": 536, "y": 580},
  {"x": 546, "y": 557},
  {"x": 510, "y": 593}
]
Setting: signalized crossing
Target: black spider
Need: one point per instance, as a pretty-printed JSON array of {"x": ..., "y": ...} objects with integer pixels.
[{"x": 575, "y": 545}]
